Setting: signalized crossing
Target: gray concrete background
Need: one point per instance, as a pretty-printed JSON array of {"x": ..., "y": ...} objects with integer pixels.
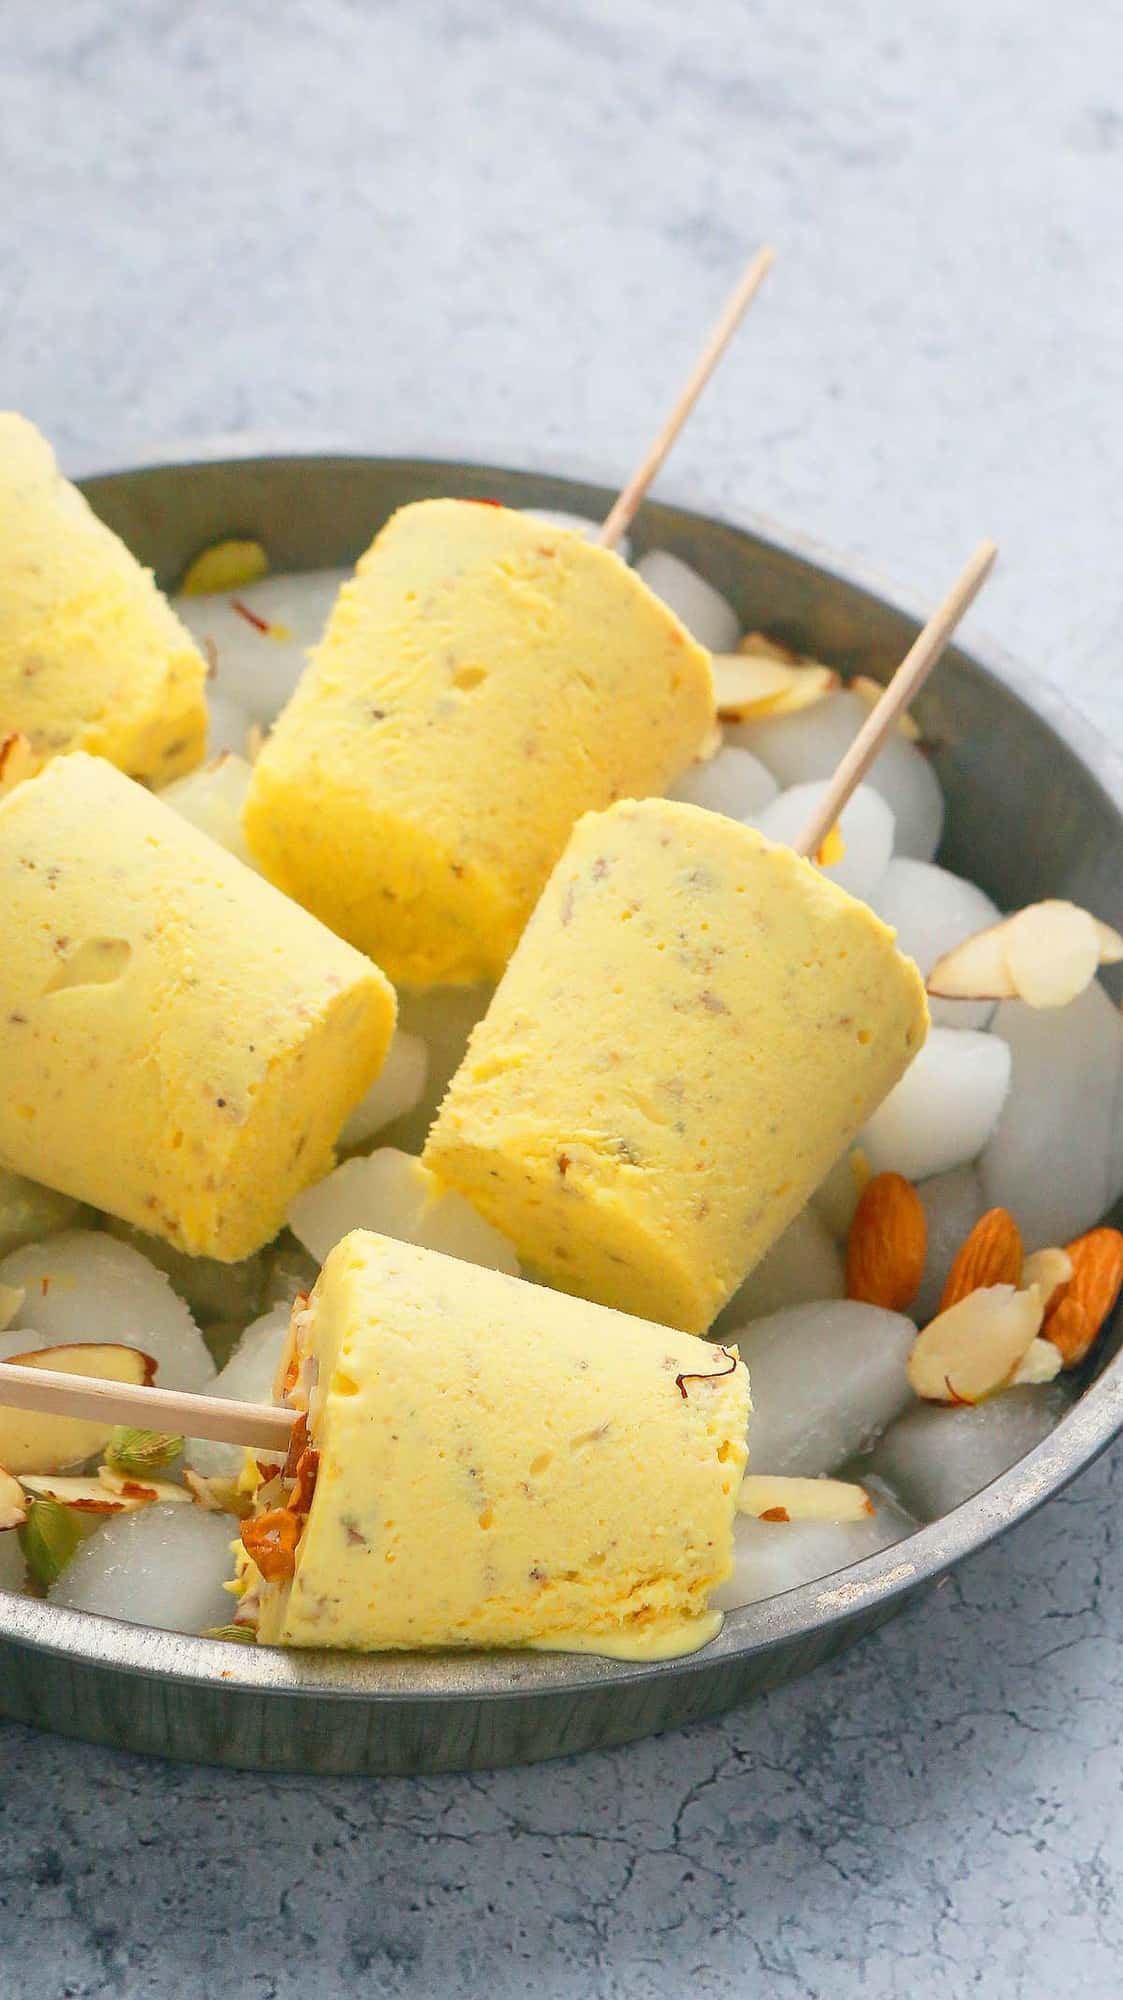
[{"x": 485, "y": 227}]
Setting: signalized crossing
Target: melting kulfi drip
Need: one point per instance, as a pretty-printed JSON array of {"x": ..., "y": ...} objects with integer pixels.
[
  {"x": 501, "y": 1466},
  {"x": 693, "y": 1027},
  {"x": 92, "y": 657},
  {"x": 483, "y": 680}
]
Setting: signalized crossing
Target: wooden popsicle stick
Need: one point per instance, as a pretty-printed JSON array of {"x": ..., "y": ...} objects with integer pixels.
[
  {"x": 630, "y": 499},
  {"x": 904, "y": 686},
  {"x": 151, "y": 1409}
]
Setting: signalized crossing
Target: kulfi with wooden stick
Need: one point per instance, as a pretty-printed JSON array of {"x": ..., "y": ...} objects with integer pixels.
[
  {"x": 694, "y": 1026},
  {"x": 179, "y": 1044},
  {"x": 486, "y": 1463},
  {"x": 484, "y": 680},
  {"x": 92, "y": 656}
]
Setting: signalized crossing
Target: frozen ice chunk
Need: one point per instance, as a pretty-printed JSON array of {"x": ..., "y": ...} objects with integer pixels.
[
  {"x": 770, "y": 1557},
  {"x": 945, "y": 1107},
  {"x": 733, "y": 782},
  {"x": 804, "y": 1264},
  {"x": 394, "y": 1194},
  {"x": 932, "y": 911},
  {"x": 212, "y": 798},
  {"x": 162, "y": 1566},
  {"x": 703, "y": 610},
  {"x": 227, "y": 726},
  {"x": 824, "y": 1379},
  {"x": 256, "y": 671},
  {"x": 811, "y": 743},
  {"x": 1054, "y": 1159},
  {"x": 212, "y": 1290},
  {"x": 836, "y": 1198},
  {"x": 936, "y": 1456},
  {"x": 246, "y": 1378},
  {"x": 84, "y": 1286},
  {"x": 866, "y": 826},
  {"x": 397, "y": 1089},
  {"x": 953, "y": 1203}
]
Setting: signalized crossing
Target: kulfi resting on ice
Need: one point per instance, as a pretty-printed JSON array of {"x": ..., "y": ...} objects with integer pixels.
[
  {"x": 179, "y": 1044},
  {"x": 92, "y": 657},
  {"x": 694, "y": 1026},
  {"x": 484, "y": 680},
  {"x": 489, "y": 1464}
]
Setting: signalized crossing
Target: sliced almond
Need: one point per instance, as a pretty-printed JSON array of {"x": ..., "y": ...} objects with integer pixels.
[
  {"x": 217, "y": 1495},
  {"x": 1045, "y": 955},
  {"x": 1040, "y": 1363},
  {"x": 126, "y": 1486},
  {"x": 871, "y": 691},
  {"x": 1052, "y": 951},
  {"x": 87, "y": 1496},
  {"x": 1048, "y": 1270},
  {"x": 765, "y": 679},
  {"x": 13, "y": 1504},
  {"x": 773, "y": 1497},
  {"x": 975, "y": 1347},
  {"x": 974, "y": 970}
]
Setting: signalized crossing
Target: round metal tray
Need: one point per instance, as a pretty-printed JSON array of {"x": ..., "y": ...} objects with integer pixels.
[{"x": 1005, "y": 745}]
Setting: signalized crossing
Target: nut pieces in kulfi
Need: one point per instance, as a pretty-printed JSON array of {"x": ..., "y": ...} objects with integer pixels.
[
  {"x": 484, "y": 679},
  {"x": 695, "y": 1024},
  {"x": 179, "y": 1043},
  {"x": 92, "y": 656},
  {"x": 486, "y": 1463}
]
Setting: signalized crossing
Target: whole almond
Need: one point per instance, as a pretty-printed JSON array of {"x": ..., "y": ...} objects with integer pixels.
[
  {"x": 991, "y": 1255},
  {"x": 887, "y": 1244},
  {"x": 1077, "y": 1311}
]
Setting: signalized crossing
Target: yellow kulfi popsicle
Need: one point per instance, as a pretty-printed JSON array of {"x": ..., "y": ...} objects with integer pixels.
[
  {"x": 694, "y": 1026},
  {"x": 92, "y": 656},
  {"x": 484, "y": 680},
  {"x": 179, "y": 1044},
  {"x": 500, "y": 1466}
]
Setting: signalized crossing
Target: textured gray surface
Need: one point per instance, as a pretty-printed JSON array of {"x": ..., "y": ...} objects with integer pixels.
[{"x": 465, "y": 226}]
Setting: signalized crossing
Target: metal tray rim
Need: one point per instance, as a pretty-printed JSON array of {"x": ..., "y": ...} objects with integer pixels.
[{"x": 816, "y": 1608}]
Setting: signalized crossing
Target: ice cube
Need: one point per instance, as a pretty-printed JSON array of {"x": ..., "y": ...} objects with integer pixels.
[
  {"x": 811, "y": 743},
  {"x": 578, "y": 524},
  {"x": 246, "y": 1378},
  {"x": 770, "y": 1557},
  {"x": 945, "y": 1107},
  {"x": 931, "y": 911},
  {"x": 733, "y": 782},
  {"x": 824, "y": 1379},
  {"x": 443, "y": 1018},
  {"x": 836, "y": 1198},
  {"x": 392, "y": 1192},
  {"x": 255, "y": 671},
  {"x": 212, "y": 798},
  {"x": 227, "y": 725},
  {"x": 82, "y": 1286},
  {"x": 953, "y": 1203},
  {"x": 1054, "y": 1159},
  {"x": 162, "y": 1566},
  {"x": 936, "y": 1456},
  {"x": 703, "y": 610},
  {"x": 866, "y": 826},
  {"x": 29, "y": 1212},
  {"x": 803, "y": 1265},
  {"x": 397, "y": 1090},
  {"x": 212, "y": 1290}
]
